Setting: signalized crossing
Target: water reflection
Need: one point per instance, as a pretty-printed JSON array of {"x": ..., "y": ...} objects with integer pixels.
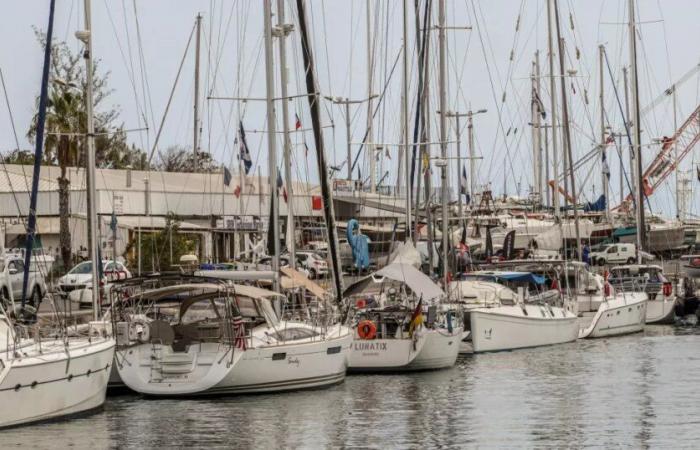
[{"x": 637, "y": 390}]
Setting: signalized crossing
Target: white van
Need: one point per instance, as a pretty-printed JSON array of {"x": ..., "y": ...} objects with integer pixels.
[{"x": 614, "y": 254}]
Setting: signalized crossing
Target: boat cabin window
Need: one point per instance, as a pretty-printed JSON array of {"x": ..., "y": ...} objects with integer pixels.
[
  {"x": 292, "y": 334},
  {"x": 201, "y": 311},
  {"x": 257, "y": 308}
]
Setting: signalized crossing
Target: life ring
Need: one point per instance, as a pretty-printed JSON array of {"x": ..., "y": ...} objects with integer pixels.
[
  {"x": 367, "y": 329},
  {"x": 361, "y": 304}
]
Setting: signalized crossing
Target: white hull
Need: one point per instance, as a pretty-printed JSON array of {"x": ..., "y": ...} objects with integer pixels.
[
  {"x": 431, "y": 349},
  {"x": 623, "y": 314},
  {"x": 55, "y": 383},
  {"x": 661, "y": 311},
  {"x": 507, "y": 328},
  {"x": 212, "y": 368}
]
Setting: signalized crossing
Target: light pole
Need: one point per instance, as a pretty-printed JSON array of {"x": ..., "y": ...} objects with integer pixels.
[
  {"x": 347, "y": 102},
  {"x": 472, "y": 166}
]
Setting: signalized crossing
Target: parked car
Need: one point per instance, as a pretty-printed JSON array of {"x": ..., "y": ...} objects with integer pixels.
[
  {"x": 12, "y": 277},
  {"x": 614, "y": 254},
  {"x": 76, "y": 284},
  {"x": 265, "y": 263},
  {"x": 313, "y": 263}
]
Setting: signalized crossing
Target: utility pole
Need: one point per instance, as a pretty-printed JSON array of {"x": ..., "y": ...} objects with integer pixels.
[
  {"x": 553, "y": 107},
  {"x": 442, "y": 83},
  {"x": 271, "y": 141},
  {"x": 370, "y": 105},
  {"x": 605, "y": 173},
  {"x": 195, "y": 144},
  {"x": 86, "y": 37},
  {"x": 281, "y": 32},
  {"x": 404, "y": 117},
  {"x": 637, "y": 135}
]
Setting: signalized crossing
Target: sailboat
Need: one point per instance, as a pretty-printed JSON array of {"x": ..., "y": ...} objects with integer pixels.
[{"x": 57, "y": 376}]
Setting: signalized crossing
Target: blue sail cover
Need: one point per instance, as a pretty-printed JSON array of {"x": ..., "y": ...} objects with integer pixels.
[
  {"x": 359, "y": 243},
  {"x": 598, "y": 205},
  {"x": 522, "y": 277}
]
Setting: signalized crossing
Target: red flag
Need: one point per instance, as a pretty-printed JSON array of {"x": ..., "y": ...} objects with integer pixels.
[
  {"x": 610, "y": 139},
  {"x": 297, "y": 125},
  {"x": 237, "y": 191},
  {"x": 306, "y": 150},
  {"x": 284, "y": 194}
]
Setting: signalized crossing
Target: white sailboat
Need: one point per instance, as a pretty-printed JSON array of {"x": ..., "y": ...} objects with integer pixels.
[
  {"x": 399, "y": 323},
  {"x": 202, "y": 337},
  {"x": 513, "y": 319},
  {"x": 650, "y": 279}
]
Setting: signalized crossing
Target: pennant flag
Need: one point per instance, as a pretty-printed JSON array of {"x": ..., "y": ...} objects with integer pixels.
[
  {"x": 280, "y": 184},
  {"x": 227, "y": 177},
  {"x": 610, "y": 140},
  {"x": 606, "y": 168},
  {"x": 697, "y": 170},
  {"x": 509, "y": 245},
  {"x": 244, "y": 152},
  {"x": 463, "y": 182},
  {"x": 297, "y": 124},
  {"x": 237, "y": 191}
]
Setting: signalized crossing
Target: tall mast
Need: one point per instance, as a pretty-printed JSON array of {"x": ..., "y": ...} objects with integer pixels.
[
  {"x": 86, "y": 37},
  {"x": 404, "y": 117},
  {"x": 553, "y": 107},
  {"x": 38, "y": 151},
  {"x": 370, "y": 104},
  {"x": 637, "y": 134},
  {"x": 271, "y": 141},
  {"x": 282, "y": 31},
  {"x": 567, "y": 130},
  {"x": 442, "y": 83},
  {"x": 326, "y": 192},
  {"x": 605, "y": 174},
  {"x": 630, "y": 126},
  {"x": 195, "y": 131},
  {"x": 538, "y": 134},
  {"x": 535, "y": 117}
]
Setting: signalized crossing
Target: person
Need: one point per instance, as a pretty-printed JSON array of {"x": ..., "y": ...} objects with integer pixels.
[{"x": 586, "y": 254}]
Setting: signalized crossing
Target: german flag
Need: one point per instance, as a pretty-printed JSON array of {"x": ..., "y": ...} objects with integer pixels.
[{"x": 416, "y": 318}]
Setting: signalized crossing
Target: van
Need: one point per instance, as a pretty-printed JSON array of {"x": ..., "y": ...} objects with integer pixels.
[{"x": 614, "y": 254}]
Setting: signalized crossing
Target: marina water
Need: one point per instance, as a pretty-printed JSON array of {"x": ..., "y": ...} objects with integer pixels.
[{"x": 633, "y": 391}]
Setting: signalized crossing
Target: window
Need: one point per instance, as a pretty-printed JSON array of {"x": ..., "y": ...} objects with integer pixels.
[
  {"x": 612, "y": 249},
  {"x": 82, "y": 268}
]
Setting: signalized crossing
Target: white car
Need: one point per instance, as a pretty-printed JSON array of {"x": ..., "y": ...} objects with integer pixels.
[
  {"x": 76, "y": 284},
  {"x": 614, "y": 254},
  {"x": 313, "y": 263}
]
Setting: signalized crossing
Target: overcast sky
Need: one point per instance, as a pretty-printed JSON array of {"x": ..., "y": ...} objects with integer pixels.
[{"x": 479, "y": 66}]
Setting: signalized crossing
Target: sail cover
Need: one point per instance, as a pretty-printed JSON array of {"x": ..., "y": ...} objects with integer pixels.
[{"x": 419, "y": 283}]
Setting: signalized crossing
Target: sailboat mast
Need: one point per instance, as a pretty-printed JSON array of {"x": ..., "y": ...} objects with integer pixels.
[
  {"x": 326, "y": 192},
  {"x": 605, "y": 172},
  {"x": 637, "y": 134},
  {"x": 38, "y": 152},
  {"x": 404, "y": 117},
  {"x": 567, "y": 130},
  {"x": 195, "y": 131},
  {"x": 86, "y": 37},
  {"x": 272, "y": 142},
  {"x": 370, "y": 104},
  {"x": 553, "y": 108},
  {"x": 442, "y": 82},
  {"x": 283, "y": 30}
]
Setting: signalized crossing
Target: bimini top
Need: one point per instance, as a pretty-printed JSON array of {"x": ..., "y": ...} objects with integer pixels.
[
  {"x": 418, "y": 282},
  {"x": 204, "y": 289},
  {"x": 522, "y": 277}
]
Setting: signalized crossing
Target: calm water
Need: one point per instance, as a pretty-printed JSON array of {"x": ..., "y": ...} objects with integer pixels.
[{"x": 634, "y": 391}]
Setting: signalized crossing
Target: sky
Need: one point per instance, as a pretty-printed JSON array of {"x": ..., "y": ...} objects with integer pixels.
[{"x": 143, "y": 57}]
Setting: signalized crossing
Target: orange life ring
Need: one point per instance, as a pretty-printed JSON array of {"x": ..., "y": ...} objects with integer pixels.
[{"x": 367, "y": 329}]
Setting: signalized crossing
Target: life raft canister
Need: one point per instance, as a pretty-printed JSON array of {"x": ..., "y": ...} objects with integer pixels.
[
  {"x": 367, "y": 329},
  {"x": 361, "y": 304}
]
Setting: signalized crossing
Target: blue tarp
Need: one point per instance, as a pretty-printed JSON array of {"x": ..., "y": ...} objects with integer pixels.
[
  {"x": 598, "y": 205},
  {"x": 523, "y": 277}
]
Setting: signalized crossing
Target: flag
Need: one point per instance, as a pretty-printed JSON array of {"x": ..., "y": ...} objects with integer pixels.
[
  {"x": 610, "y": 139},
  {"x": 416, "y": 318},
  {"x": 509, "y": 245},
  {"x": 237, "y": 191},
  {"x": 463, "y": 182},
  {"x": 297, "y": 124},
  {"x": 227, "y": 177},
  {"x": 238, "y": 332},
  {"x": 244, "y": 152},
  {"x": 306, "y": 150},
  {"x": 606, "y": 168},
  {"x": 280, "y": 184},
  {"x": 697, "y": 170}
]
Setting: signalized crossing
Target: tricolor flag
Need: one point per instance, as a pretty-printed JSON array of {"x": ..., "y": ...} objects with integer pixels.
[
  {"x": 463, "y": 182},
  {"x": 280, "y": 184},
  {"x": 227, "y": 177},
  {"x": 244, "y": 152},
  {"x": 297, "y": 124},
  {"x": 237, "y": 191}
]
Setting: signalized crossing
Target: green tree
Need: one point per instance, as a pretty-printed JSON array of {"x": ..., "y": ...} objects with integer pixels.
[
  {"x": 66, "y": 124},
  {"x": 156, "y": 247},
  {"x": 178, "y": 158}
]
